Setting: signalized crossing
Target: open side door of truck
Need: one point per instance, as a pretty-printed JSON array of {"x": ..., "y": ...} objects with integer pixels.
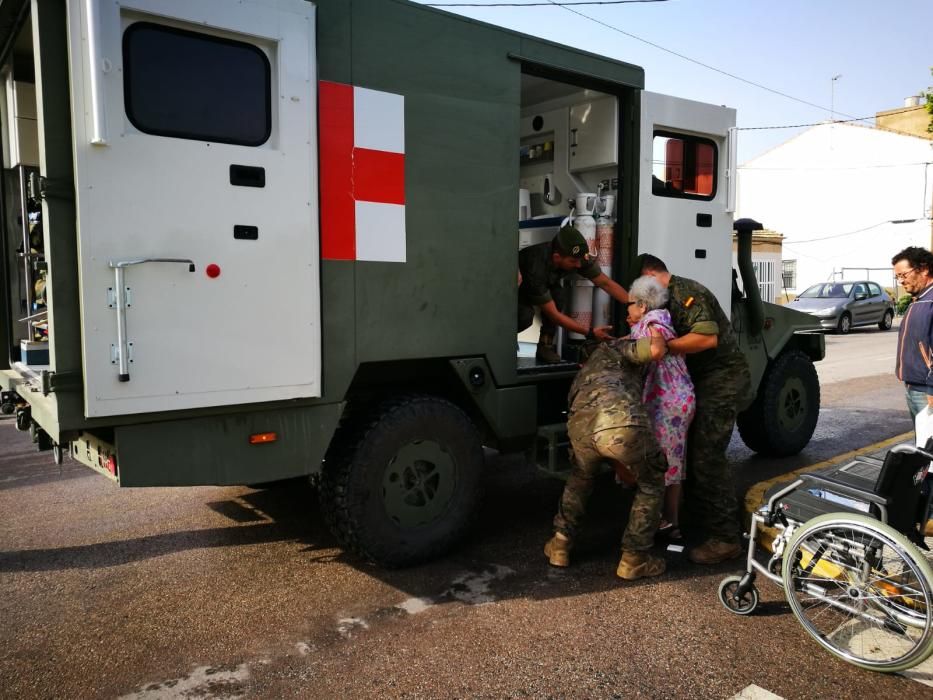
[
  {"x": 686, "y": 197},
  {"x": 195, "y": 136}
]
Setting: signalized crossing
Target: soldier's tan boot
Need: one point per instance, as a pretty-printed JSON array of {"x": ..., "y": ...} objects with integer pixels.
[
  {"x": 547, "y": 350},
  {"x": 928, "y": 529},
  {"x": 714, "y": 551},
  {"x": 557, "y": 550},
  {"x": 635, "y": 565}
]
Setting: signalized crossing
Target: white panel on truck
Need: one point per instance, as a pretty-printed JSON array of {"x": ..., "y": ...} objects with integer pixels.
[
  {"x": 195, "y": 131},
  {"x": 688, "y": 226}
]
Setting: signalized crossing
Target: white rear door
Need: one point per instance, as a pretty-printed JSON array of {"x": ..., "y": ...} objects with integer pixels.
[
  {"x": 686, "y": 202},
  {"x": 195, "y": 140}
]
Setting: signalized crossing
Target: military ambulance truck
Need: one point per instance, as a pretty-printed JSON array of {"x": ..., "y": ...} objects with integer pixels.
[{"x": 265, "y": 239}]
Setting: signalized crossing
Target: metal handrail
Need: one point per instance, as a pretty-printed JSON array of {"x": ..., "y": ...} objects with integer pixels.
[{"x": 118, "y": 267}]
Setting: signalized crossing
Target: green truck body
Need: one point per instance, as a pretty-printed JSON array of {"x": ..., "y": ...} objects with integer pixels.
[{"x": 418, "y": 351}]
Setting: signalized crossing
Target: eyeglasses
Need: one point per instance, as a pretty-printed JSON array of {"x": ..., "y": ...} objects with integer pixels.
[{"x": 901, "y": 276}]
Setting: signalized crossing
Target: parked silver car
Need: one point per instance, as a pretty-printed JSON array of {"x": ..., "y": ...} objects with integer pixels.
[{"x": 842, "y": 305}]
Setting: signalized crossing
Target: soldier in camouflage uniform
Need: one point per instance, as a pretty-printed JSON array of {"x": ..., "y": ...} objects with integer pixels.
[
  {"x": 721, "y": 381},
  {"x": 609, "y": 422},
  {"x": 543, "y": 268}
]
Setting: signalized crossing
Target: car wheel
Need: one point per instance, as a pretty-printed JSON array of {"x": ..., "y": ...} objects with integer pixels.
[
  {"x": 845, "y": 323},
  {"x": 887, "y": 320},
  {"x": 783, "y": 416}
]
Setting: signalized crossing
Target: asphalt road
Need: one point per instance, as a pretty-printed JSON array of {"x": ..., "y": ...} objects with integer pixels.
[{"x": 236, "y": 592}]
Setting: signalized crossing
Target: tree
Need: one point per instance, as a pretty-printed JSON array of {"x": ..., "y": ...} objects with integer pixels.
[{"x": 929, "y": 105}]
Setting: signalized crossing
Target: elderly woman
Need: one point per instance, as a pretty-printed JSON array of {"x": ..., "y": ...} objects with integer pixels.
[{"x": 668, "y": 393}]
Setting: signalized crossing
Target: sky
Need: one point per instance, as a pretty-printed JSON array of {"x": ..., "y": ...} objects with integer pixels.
[{"x": 882, "y": 51}]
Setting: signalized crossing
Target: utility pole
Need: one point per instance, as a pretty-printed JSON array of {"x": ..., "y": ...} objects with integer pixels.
[{"x": 832, "y": 96}]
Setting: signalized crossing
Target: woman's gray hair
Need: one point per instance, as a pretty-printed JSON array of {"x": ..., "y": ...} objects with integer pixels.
[{"x": 649, "y": 291}]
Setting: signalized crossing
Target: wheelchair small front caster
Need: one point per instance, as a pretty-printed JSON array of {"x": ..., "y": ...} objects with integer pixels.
[{"x": 729, "y": 596}]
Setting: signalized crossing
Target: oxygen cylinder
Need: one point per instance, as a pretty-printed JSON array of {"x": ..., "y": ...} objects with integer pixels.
[
  {"x": 581, "y": 305},
  {"x": 605, "y": 232},
  {"x": 583, "y": 221}
]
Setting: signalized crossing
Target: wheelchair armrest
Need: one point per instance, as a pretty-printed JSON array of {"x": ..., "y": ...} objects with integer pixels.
[{"x": 845, "y": 489}]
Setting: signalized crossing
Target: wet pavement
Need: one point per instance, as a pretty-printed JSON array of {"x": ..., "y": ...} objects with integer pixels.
[{"x": 237, "y": 592}]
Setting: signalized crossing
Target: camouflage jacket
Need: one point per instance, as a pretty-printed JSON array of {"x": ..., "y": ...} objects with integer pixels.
[
  {"x": 694, "y": 309},
  {"x": 608, "y": 389}
]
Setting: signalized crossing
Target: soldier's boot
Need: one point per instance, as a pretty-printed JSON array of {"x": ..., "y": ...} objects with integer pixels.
[
  {"x": 928, "y": 529},
  {"x": 557, "y": 550},
  {"x": 635, "y": 565},
  {"x": 547, "y": 350},
  {"x": 714, "y": 551}
]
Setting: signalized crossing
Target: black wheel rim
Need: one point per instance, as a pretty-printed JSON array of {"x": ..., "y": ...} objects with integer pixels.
[
  {"x": 736, "y": 602},
  {"x": 418, "y": 483},
  {"x": 792, "y": 405}
]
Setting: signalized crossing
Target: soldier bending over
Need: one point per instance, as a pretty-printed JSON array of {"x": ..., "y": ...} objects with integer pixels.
[{"x": 609, "y": 422}]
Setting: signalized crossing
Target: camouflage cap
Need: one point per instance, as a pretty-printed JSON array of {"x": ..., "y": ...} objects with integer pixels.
[{"x": 570, "y": 242}]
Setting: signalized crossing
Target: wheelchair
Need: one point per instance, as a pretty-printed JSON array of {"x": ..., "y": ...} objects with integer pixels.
[{"x": 849, "y": 552}]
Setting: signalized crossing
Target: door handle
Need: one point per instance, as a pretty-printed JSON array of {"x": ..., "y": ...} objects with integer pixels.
[{"x": 118, "y": 267}]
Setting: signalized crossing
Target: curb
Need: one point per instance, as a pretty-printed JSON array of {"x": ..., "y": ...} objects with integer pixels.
[{"x": 755, "y": 494}]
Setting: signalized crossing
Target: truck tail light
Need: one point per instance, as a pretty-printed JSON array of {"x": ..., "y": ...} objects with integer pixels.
[
  {"x": 261, "y": 438},
  {"x": 111, "y": 465}
]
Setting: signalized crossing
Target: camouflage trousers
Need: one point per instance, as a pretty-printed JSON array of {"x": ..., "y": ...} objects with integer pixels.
[
  {"x": 709, "y": 490},
  {"x": 638, "y": 450}
]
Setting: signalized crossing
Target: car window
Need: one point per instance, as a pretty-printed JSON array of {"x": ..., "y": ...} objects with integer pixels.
[
  {"x": 861, "y": 289},
  {"x": 828, "y": 290},
  {"x": 811, "y": 292},
  {"x": 875, "y": 289}
]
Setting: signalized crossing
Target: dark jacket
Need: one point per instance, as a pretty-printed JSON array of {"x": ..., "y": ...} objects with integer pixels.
[{"x": 914, "y": 342}]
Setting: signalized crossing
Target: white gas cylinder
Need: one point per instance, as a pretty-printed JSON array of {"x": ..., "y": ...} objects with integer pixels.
[{"x": 581, "y": 305}]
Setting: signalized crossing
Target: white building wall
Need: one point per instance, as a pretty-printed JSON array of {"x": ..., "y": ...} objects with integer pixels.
[{"x": 834, "y": 191}]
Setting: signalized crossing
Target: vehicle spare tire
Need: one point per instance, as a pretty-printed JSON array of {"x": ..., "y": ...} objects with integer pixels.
[
  {"x": 781, "y": 420},
  {"x": 401, "y": 483}
]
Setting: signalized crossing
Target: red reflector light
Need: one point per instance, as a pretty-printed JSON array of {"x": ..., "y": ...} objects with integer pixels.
[
  {"x": 260, "y": 438},
  {"x": 112, "y": 465}
]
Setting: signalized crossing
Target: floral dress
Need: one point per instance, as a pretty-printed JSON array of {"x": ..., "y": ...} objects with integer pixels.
[{"x": 668, "y": 395}]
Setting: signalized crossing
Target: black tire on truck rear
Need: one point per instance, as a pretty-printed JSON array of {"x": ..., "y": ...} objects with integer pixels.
[
  {"x": 783, "y": 417},
  {"x": 401, "y": 483}
]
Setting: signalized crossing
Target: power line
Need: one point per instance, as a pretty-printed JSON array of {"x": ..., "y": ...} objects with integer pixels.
[
  {"x": 834, "y": 121},
  {"x": 844, "y": 167},
  {"x": 852, "y": 233},
  {"x": 535, "y": 4},
  {"x": 693, "y": 60},
  {"x": 566, "y": 6}
]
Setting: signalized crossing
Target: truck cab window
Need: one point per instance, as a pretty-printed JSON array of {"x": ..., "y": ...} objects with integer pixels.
[
  {"x": 196, "y": 86},
  {"x": 683, "y": 166}
]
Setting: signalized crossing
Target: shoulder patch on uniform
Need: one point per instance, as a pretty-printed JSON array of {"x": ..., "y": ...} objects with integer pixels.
[{"x": 688, "y": 302}]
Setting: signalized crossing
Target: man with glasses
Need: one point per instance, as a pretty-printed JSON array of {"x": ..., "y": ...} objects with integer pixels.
[{"x": 913, "y": 269}]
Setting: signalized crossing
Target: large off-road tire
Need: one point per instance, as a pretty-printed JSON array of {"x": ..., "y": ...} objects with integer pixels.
[
  {"x": 845, "y": 323},
  {"x": 782, "y": 418},
  {"x": 401, "y": 483}
]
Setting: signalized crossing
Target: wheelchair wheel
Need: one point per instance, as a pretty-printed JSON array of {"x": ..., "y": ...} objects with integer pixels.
[
  {"x": 740, "y": 605},
  {"x": 861, "y": 590}
]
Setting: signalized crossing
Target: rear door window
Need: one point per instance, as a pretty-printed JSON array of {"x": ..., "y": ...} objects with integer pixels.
[{"x": 196, "y": 86}]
